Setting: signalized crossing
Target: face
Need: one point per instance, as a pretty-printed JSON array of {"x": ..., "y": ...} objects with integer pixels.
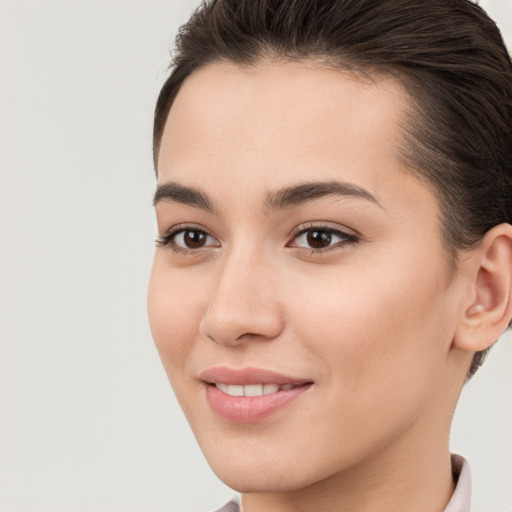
[{"x": 300, "y": 298}]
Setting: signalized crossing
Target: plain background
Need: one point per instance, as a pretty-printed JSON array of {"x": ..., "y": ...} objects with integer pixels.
[{"x": 88, "y": 420}]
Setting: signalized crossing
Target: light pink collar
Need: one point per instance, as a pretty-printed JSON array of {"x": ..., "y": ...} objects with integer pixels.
[{"x": 461, "y": 499}]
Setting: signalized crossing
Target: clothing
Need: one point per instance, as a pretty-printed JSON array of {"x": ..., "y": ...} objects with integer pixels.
[
  {"x": 232, "y": 506},
  {"x": 461, "y": 499},
  {"x": 460, "y": 502}
]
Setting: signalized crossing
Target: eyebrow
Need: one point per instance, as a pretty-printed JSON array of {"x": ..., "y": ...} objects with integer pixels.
[
  {"x": 278, "y": 200},
  {"x": 299, "y": 194},
  {"x": 185, "y": 195}
]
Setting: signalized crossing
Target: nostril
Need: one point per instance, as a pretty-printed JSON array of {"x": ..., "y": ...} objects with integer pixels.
[{"x": 232, "y": 321}]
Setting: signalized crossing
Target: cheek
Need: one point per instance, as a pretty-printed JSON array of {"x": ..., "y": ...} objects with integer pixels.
[
  {"x": 175, "y": 307},
  {"x": 386, "y": 328},
  {"x": 378, "y": 343}
]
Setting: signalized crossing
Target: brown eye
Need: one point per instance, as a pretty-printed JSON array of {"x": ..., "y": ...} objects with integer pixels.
[
  {"x": 187, "y": 240},
  {"x": 194, "y": 239},
  {"x": 318, "y": 239}
]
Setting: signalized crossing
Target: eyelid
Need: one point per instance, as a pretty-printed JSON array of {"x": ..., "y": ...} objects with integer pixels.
[{"x": 324, "y": 225}]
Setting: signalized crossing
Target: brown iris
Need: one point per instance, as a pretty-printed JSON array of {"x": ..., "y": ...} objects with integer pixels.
[
  {"x": 194, "y": 239},
  {"x": 318, "y": 239}
]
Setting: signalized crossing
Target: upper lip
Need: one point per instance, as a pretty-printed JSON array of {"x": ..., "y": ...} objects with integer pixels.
[{"x": 248, "y": 375}]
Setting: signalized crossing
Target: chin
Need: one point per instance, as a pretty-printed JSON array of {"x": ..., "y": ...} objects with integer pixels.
[
  {"x": 250, "y": 474},
  {"x": 248, "y": 480}
]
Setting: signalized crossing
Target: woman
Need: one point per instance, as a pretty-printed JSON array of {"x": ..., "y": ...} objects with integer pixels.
[{"x": 334, "y": 259}]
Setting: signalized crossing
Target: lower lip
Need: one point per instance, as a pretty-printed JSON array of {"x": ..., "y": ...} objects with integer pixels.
[{"x": 249, "y": 409}]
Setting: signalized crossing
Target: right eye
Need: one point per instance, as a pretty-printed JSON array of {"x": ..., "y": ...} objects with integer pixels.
[{"x": 187, "y": 240}]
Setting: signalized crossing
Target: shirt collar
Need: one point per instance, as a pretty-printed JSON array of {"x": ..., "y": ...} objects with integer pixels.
[{"x": 461, "y": 499}]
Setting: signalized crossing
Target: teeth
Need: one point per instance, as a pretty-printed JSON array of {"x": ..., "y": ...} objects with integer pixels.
[
  {"x": 235, "y": 390},
  {"x": 270, "y": 388},
  {"x": 252, "y": 389},
  {"x": 222, "y": 387}
]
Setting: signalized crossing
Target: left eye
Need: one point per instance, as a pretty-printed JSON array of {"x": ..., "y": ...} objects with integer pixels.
[
  {"x": 321, "y": 238},
  {"x": 186, "y": 239}
]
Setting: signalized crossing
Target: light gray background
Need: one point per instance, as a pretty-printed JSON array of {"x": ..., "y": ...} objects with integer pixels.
[{"x": 88, "y": 420}]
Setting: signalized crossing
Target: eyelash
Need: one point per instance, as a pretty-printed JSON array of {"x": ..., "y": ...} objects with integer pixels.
[
  {"x": 168, "y": 239},
  {"x": 347, "y": 239}
]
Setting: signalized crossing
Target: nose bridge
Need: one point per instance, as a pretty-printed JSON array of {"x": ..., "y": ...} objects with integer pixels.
[{"x": 243, "y": 303}]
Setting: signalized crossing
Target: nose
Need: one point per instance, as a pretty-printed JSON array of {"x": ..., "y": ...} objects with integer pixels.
[{"x": 243, "y": 304}]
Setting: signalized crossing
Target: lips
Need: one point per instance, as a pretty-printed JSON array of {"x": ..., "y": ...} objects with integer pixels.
[{"x": 250, "y": 394}]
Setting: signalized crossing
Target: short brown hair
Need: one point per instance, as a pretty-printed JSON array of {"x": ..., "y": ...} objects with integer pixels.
[{"x": 448, "y": 54}]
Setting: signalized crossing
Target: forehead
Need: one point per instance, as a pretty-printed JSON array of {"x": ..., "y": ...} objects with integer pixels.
[{"x": 276, "y": 123}]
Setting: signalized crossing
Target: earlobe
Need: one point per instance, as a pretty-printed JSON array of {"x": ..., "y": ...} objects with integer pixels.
[{"x": 489, "y": 313}]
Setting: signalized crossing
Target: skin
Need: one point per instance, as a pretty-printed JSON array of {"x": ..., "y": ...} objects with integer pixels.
[{"x": 371, "y": 322}]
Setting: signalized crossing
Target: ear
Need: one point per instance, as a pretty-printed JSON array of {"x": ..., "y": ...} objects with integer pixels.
[{"x": 488, "y": 310}]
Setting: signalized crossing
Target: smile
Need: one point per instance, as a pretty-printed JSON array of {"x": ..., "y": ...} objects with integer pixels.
[
  {"x": 252, "y": 389},
  {"x": 250, "y": 395}
]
